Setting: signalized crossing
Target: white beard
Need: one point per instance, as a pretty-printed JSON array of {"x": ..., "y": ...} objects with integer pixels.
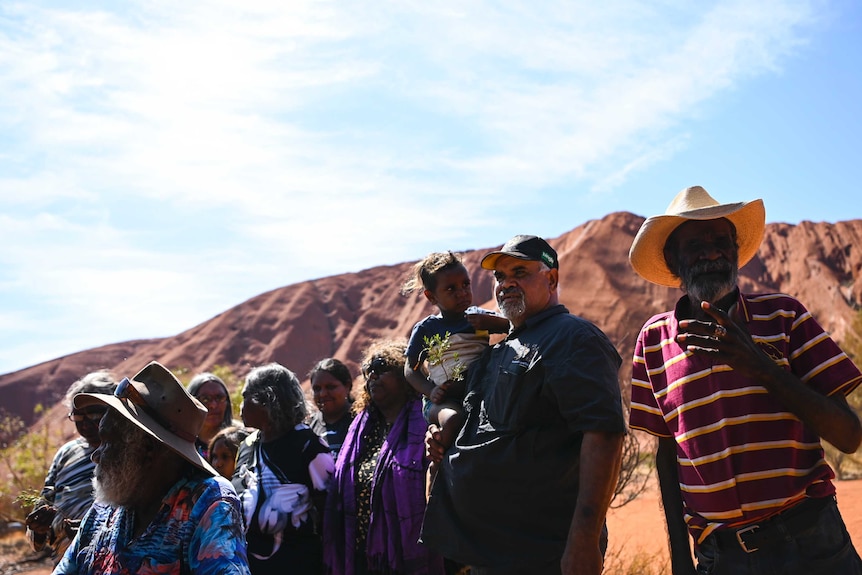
[
  {"x": 512, "y": 309},
  {"x": 117, "y": 477}
]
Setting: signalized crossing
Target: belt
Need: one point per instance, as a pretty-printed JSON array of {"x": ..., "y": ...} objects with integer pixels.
[{"x": 774, "y": 529}]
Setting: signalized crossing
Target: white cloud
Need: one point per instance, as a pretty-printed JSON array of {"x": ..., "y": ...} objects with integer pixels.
[{"x": 133, "y": 133}]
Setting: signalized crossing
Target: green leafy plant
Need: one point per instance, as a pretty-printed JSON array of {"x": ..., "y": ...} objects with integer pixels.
[
  {"x": 26, "y": 457},
  {"x": 436, "y": 348}
]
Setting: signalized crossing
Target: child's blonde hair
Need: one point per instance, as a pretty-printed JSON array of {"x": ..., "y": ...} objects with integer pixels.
[{"x": 423, "y": 274}]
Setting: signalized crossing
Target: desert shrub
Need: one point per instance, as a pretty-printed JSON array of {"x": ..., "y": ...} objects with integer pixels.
[
  {"x": 25, "y": 458},
  {"x": 635, "y": 470},
  {"x": 849, "y": 466},
  {"x": 617, "y": 562}
]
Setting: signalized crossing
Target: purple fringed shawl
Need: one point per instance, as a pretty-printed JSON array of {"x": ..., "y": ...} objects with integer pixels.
[{"x": 397, "y": 501}]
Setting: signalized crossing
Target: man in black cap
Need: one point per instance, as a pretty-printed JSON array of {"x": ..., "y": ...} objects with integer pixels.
[{"x": 526, "y": 486}]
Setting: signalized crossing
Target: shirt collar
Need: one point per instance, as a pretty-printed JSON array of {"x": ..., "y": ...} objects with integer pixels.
[
  {"x": 682, "y": 308},
  {"x": 540, "y": 317}
]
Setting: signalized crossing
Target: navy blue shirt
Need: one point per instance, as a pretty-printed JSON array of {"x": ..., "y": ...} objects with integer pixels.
[{"x": 506, "y": 491}]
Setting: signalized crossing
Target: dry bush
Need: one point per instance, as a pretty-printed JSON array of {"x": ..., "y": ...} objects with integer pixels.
[
  {"x": 635, "y": 470},
  {"x": 617, "y": 562},
  {"x": 25, "y": 458}
]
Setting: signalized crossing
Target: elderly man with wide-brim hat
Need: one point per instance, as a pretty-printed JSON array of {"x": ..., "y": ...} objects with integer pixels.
[
  {"x": 739, "y": 389},
  {"x": 160, "y": 507}
]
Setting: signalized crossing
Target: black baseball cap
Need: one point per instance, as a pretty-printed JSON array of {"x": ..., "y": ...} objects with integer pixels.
[{"x": 532, "y": 248}]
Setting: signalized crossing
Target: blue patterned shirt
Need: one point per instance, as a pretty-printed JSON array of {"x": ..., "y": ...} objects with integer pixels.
[{"x": 198, "y": 529}]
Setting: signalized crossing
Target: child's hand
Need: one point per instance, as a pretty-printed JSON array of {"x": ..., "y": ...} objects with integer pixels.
[
  {"x": 488, "y": 322},
  {"x": 438, "y": 394}
]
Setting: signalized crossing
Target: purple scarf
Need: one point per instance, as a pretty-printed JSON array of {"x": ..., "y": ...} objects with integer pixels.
[{"x": 397, "y": 501}]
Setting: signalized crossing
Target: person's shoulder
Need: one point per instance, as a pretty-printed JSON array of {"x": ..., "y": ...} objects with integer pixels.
[
  {"x": 208, "y": 488},
  {"x": 427, "y": 320},
  {"x": 772, "y": 300},
  {"x": 657, "y": 321}
]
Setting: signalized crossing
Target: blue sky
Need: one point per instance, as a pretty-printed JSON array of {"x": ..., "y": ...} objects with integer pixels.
[{"x": 161, "y": 163}]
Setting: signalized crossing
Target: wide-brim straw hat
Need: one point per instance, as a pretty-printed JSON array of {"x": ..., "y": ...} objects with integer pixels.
[
  {"x": 156, "y": 401},
  {"x": 647, "y": 252}
]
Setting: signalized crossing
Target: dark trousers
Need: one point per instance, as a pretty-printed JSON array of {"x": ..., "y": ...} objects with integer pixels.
[{"x": 809, "y": 539}]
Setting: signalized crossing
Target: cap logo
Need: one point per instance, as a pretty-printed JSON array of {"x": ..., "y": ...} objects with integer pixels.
[{"x": 548, "y": 259}]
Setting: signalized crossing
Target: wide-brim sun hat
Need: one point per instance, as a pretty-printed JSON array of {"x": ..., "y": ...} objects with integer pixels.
[
  {"x": 647, "y": 252},
  {"x": 156, "y": 402}
]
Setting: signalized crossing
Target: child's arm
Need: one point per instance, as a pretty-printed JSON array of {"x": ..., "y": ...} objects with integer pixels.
[
  {"x": 418, "y": 380},
  {"x": 489, "y": 322}
]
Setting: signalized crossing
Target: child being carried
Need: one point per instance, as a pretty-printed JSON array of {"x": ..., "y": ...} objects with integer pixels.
[{"x": 445, "y": 344}]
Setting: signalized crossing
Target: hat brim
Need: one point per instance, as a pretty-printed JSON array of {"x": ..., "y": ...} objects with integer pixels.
[
  {"x": 140, "y": 418},
  {"x": 489, "y": 262},
  {"x": 647, "y": 252}
]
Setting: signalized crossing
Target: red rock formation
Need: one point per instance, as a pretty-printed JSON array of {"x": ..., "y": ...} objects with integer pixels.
[{"x": 337, "y": 316}]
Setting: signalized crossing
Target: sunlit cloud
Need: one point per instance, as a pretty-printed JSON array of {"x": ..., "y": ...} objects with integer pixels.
[{"x": 216, "y": 150}]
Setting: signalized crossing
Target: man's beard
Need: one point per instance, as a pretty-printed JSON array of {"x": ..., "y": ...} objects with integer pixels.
[
  {"x": 118, "y": 476},
  {"x": 709, "y": 280},
  {"x": 512, "y": 309}
]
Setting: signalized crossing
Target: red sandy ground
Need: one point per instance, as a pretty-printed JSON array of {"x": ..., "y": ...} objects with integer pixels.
[{"x": 638, "y": 527}]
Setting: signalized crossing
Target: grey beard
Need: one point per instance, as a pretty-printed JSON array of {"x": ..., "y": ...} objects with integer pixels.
[
  {"x": 512, "y": 309},
  {"x": 700, "y": 288},
  {"x": 117, "y": 477}
]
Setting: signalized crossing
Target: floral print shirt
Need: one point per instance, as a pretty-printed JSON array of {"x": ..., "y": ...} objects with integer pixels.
[{"x": 198, "y": 530}]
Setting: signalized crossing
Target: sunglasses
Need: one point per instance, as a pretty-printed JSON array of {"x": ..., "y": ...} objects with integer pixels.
[
  {"x": 89, "y": 416},
  {"x": 125, "y": 390},
  {"x": 377, "y": 367}
]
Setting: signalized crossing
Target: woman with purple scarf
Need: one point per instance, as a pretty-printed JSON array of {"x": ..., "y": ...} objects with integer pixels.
[{"x": 376, "y": 500}]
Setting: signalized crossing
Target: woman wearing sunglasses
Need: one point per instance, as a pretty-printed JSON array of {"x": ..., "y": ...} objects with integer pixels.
[
  {"x": 211, "y": 391},
  {"x": 68, "y": 490},
  {"x": 377, "y": 498}
]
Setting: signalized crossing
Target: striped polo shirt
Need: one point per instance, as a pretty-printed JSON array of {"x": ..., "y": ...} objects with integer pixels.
[{"x": 741, "y": 456}]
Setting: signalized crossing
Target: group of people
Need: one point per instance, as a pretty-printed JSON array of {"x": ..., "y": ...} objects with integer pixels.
[{"x": 522, "y": 437}]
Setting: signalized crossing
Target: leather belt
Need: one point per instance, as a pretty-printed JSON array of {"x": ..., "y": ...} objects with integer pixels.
[{"x": 769, "y": 531}]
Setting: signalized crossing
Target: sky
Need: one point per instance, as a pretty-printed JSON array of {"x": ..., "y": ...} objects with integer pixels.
[{"x": 162, "y": 162}]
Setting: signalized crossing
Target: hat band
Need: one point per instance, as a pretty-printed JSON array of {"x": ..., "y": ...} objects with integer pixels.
[{"x": 125, "y": 391}]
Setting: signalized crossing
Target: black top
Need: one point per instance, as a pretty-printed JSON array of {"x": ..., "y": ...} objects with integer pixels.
[{"x": 506, "y": 491}]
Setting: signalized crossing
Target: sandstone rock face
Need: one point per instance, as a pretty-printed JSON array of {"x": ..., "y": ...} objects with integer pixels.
[{"x": 337, "y": 316}]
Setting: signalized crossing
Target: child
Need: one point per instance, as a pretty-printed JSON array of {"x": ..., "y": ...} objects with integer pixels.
[
  {"x": 446, "y": 284},
  {"x": 223, "y": 447}
]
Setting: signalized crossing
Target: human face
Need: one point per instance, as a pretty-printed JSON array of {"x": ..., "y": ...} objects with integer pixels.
[
  {"x": 523, "y": 288},
  {"x": 453, "y": 294},
  {"x": 86, "y": 421},
  {"x": 330, "y": 395},
  {"x": 253, "y": 413},
  {"x": 223, "y": 458},
  {"x": 215, "y": 400},
  {"x": 707, "y": 258},
  {"x": 121, "y": 460},
  {"x": 388, "y": 391}
]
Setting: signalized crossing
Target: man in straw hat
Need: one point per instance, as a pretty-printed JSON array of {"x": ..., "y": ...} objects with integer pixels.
[
  {"x": 160, "y": 507},
  {"x": 526, "y": 486},
  {"x": 739, "y": 389}
]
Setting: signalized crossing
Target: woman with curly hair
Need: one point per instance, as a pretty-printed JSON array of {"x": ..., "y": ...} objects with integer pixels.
[{"x": 375, "y": 505}]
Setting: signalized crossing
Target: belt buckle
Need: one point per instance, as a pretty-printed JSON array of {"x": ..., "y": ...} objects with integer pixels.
[{"x": 742, "y": 543}]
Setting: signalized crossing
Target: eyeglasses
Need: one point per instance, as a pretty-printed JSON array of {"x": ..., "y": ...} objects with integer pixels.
[
  {"x": 377, "y": 367},
  {"x": 207, "y": 399},
  {"x": 89, "y": 416}
]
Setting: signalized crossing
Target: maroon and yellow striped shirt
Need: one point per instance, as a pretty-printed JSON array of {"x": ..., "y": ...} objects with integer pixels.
[{"x": 741, "y": 456}]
